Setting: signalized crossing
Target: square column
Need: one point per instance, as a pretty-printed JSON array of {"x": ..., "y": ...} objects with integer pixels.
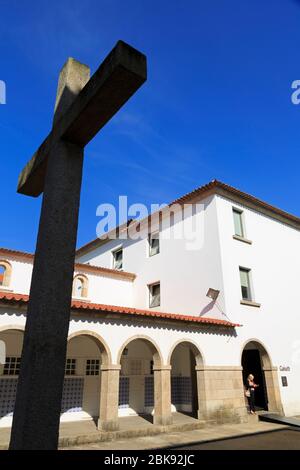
[
  {"x": 162, "y": 395},
  {"x": 109, "y": 398}
]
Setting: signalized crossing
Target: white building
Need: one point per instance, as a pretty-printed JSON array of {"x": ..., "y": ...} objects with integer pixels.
[{"x": 144, "y": 336}]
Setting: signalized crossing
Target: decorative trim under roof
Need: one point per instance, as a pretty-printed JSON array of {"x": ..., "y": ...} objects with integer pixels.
[{"x": 22, "y": 299}]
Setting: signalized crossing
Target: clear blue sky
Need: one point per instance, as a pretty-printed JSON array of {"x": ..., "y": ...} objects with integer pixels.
[{"x": 216, "y": 104}]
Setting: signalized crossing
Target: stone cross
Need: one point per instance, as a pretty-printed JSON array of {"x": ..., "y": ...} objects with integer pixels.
[{"x": 83, "y": 106}]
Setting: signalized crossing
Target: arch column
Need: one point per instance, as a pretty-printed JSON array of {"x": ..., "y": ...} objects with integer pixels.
[
  {"x": 162, "y": 395},
  {"x": 201, "y": 392},
  {"x": 272, "y": 384},
  {"x": 109, "y": 397}
]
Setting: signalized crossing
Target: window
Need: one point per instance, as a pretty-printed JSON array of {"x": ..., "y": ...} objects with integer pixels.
[
  {"x": 238, "y": 222},
  {"x": 153, "y": 244},
  {"x": 12, "y": 366},
  {"x": 245, "y": 283},
  {"x": 154, "y": 295},
  {"x": 2, "y": 272},
  {"x": 70, "y": 367},
  {"x": 92, "y": 367},
  {"x": 5, "y": 273},
  {"x": 118, "y": 259},
  {"x": 80, "y": 286}
]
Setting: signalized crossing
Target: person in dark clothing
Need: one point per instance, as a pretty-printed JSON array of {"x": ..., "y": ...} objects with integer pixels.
[{"x": 250, "y": 387}]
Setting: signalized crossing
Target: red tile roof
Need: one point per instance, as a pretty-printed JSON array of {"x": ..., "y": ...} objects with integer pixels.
[{"x": 95, "y": 308}]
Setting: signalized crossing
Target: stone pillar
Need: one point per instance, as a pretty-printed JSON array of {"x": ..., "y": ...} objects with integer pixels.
[
  {"x": 201, "y": 392},
  {"x": 273, "y": 391},
  {"x": 109, "y": 398},
  {"x": 221, "y": 394},
  {"x": 162, "y": 395}
]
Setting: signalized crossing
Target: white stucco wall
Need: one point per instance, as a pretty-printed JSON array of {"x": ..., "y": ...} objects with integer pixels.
[
  {"x": 274, "y": 260},
  {"x": 103, "y": 288},
  {"x": 185, "y": 274}
]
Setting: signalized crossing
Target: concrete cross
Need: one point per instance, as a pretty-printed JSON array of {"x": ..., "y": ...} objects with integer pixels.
[{"x": 83, "y": 107}]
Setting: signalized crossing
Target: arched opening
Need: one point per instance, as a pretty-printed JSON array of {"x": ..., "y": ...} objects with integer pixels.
[
  {"x": 80, "y": 286},
  {"x": 82, "y": 384},
  {"x": 256, "y": 361},
  {"x": 184, "y": 358},
  {"x": 5, "y": 273},
  {"x": 9, "y": 372},
  {"x": 138, "y": 357},
  {"x": 2, "y": 272}
]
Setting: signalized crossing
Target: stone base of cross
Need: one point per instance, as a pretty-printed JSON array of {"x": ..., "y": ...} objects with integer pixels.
[{"x": 83, "y": 106}]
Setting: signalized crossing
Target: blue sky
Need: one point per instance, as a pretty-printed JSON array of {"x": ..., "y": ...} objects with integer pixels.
[{"x": 217, "y": 103}]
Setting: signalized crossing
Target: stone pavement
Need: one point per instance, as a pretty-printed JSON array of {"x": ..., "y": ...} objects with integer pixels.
[
  {"x": 138, "y": 432},
  {"x": 179, "y": 438}
]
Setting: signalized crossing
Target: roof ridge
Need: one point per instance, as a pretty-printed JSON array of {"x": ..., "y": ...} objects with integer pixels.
[{"x": 214, "y": 183}]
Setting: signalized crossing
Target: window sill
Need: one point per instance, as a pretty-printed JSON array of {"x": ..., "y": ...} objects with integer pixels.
[
  {"x": 5, "y": 289},
  {"x": 242, "y": 239},
  {"x": 80, "y": 299},
  {"x": 250, "y": 303}
]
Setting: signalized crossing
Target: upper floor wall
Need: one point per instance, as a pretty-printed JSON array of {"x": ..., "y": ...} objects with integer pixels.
[
  {"x": 270, "y": 251},
  {"x": 90, "y": 284},
  {"x": 186, "y": 265}
]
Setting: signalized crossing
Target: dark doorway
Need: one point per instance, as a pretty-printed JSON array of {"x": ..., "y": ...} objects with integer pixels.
[{"x": 251, "y": 363}]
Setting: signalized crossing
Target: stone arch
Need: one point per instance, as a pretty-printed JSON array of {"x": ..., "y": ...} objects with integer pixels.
[
  {"x": 187, "y": 377},
  {"x": 6, "y": 276},
  {"x": 101, "y": 343},
  {"x": 9, "y": 329},
  {"x": 84, "y": 284},
  {"x": 12, "y": 336},
  {"x": 12, "y": 327},
  {"x": 265, "y": 355},
  {"x": 255, "y": 359},
  {"x": 157, "y": 356},
  {"x": 194, "y": 347}
]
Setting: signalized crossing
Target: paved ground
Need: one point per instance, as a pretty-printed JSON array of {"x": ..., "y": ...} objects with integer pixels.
[
  {"x": 286, "y": 439},
  {"x": 210, "y": 437},
  {"x": 179, "y": 438}
]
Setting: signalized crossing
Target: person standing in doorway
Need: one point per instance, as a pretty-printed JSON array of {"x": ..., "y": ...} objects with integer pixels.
[{"x": 250, "y": 392}]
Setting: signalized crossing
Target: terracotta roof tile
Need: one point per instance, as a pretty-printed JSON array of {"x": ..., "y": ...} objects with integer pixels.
[{"x": 91, "y": 307}]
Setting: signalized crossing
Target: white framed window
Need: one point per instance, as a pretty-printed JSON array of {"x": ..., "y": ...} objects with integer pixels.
[
  {"x": 80, "y": 286},
  {"x": 5, "y": 273},
  {"x": 92, "y": 367},
  {"x": 245, "y": 283},
  {"x": 238, "y": 217},
  {"x": 70, "y": 367},
  {"x": 118, "y": 258},
  {"x": 154, "y": 295},
  {"x": 12, "y": 365},
  {"x": 2, "y": 273},
  {"x": 153, "y": 240}
]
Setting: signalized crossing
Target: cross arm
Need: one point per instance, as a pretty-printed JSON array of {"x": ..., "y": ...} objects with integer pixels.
[{"x": 121, "y": 74}]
